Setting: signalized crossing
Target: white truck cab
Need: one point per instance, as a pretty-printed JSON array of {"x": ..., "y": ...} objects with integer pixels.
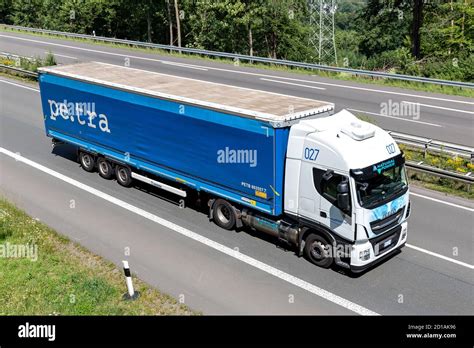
[{"x": 346, "y": 178}]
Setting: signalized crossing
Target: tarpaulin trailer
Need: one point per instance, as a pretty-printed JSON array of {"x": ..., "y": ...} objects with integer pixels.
[{"x": 225, "y": 140}]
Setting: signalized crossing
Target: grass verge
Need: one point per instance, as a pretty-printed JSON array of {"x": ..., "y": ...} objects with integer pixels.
[
  {"x": 65, "y": 279},
  {"x": 434, "y": 183},
  {"x": 425, "y": 87},
  {"x": 18, "y": 76},
  {"x": 29, "y": 64},
  {"x": 439, "y": 160}
]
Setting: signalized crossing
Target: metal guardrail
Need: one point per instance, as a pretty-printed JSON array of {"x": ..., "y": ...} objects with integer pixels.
[
  {"x": 20, "y": 71},
  {"x": 247, "y": 57},
  {"x": 428, "y": 144},
  {"x": 16, "y": 58},
  {"x": 419, "y": 167}
]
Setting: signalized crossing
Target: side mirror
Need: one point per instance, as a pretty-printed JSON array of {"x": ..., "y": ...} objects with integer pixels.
[
  {"x": 343, "y": 198},
  {"x": 343, "y": 202},
  {"x": 343, "y": 187}
]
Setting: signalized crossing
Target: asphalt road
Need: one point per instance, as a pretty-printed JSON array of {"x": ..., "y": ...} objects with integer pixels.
[
  {"x": 441, "y": 117},
  {"x": 182, "y": 253}
]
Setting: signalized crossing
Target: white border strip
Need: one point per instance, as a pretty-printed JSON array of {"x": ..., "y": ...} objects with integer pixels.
[
  {"x": 292, "y": 84},
  {"x": 18, "y": 85},
  {"x": 329, "y": 296},
  {"x": 440, "y": 256},
  {"x": 442, "y": 202},
  {"x": 394, "y": 117},
  {"x": 438, "y": 107}
]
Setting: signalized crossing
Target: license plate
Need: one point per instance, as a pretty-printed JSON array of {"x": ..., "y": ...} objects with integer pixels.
[{"x": 387, "y": 243}]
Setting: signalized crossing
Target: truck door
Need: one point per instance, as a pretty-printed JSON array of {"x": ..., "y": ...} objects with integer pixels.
[
  {"x": 330, "y": 213},
  {"x": 308, "y": 196}
]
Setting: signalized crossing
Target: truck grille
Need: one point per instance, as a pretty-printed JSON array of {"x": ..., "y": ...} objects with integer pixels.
[
  {"x": 385, "y": 224},
  {"x": 385, "y": 242}
]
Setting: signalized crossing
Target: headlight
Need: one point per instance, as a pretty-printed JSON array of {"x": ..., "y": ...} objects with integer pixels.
[
  {"x": 364, "y": 255},
  {"x": 407, "y": 214},
  {"x": 404, "y": 233}
]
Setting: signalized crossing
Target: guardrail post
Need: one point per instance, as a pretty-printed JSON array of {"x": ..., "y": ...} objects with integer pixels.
[{"x": 131, "y": 293}]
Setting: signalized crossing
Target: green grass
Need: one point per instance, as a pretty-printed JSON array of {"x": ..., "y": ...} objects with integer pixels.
[
  {"x": 426, "y": 87},
  {"x": 16, "y": 76},
  {"x": 446, "y": 186},
  {"x": 439, "y": 160},
  {"x": 66, "y": 279},
  {"x": 29, "y": 64}
]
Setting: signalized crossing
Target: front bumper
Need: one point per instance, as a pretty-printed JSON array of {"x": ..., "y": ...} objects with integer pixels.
[{"x": 375, "y": 254}]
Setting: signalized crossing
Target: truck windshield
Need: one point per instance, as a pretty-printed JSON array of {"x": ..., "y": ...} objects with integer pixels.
[{"x": 382, "y": 187}]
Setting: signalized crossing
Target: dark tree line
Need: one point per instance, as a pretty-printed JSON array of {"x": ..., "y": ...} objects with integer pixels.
[{"x": 431, "y": 38}]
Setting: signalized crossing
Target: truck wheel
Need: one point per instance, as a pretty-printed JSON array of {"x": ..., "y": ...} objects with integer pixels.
[
  {"x": 223, "y": 214},
  {"x": 104, "y": 168},
  {"x": 317, "y": 251},
  {"x": 87, "y": 161},
  {"x": 123, "y": 175}
]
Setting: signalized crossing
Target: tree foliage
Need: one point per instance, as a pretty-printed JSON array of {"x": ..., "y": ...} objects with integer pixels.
[{"x": 429, "y": 38}]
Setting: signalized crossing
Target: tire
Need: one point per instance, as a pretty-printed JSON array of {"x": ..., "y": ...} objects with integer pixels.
[
  {"x": 316, "y": 251},
  {"x": 123, "y": 175},
  {"x": 87, "y": 161},
  {"x": 104, "y": 168},
  {"x": 223, "y": 214}
]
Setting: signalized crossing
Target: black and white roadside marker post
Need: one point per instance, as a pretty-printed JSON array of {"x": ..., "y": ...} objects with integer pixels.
[{"x": 131, "y": 293}]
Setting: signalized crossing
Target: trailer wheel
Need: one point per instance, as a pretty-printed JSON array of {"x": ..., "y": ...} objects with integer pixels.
[
  {"x": 104, "y": 168},
  {"x": 87, "y": 161},
  {"x": 123, "y": 175},
  {"x": 317, "y": 250},
  {"x": 223, "y": 214}
]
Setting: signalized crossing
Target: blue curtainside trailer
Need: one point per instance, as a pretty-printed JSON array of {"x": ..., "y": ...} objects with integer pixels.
[{"x": 210, "y": 149}]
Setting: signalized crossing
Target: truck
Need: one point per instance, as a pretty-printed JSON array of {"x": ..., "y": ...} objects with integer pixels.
[{"x": 327, "y": 185}]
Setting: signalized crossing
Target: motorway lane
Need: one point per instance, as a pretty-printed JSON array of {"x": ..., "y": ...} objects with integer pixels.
[
  {"x": 207, "y": 279},
  {"x": 442, "y": 117},
  {"x": 428, "y": 284},
  {"x": 436, "y": 238}
]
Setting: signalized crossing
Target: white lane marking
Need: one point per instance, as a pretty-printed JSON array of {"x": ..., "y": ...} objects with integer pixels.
[
  {"x": 248, "y": 73},
  {"x": 291, "y": 83},
  {"x": 439, "y": 107},
  {"x": 61, "y": 55},
  {"x": 440, "y": 256},
  {"x": 18, "y": 85},
  {"x": 201, "y": 239},
  {"x": 183, "y": 65},
  {"x": 442, "y": 202},
  {"x": 395, "y": 117},
  {"x": 80, "y": 48}
]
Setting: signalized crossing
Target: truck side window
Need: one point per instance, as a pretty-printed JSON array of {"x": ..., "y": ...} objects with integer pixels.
[{"x": 327, "y": 189}]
